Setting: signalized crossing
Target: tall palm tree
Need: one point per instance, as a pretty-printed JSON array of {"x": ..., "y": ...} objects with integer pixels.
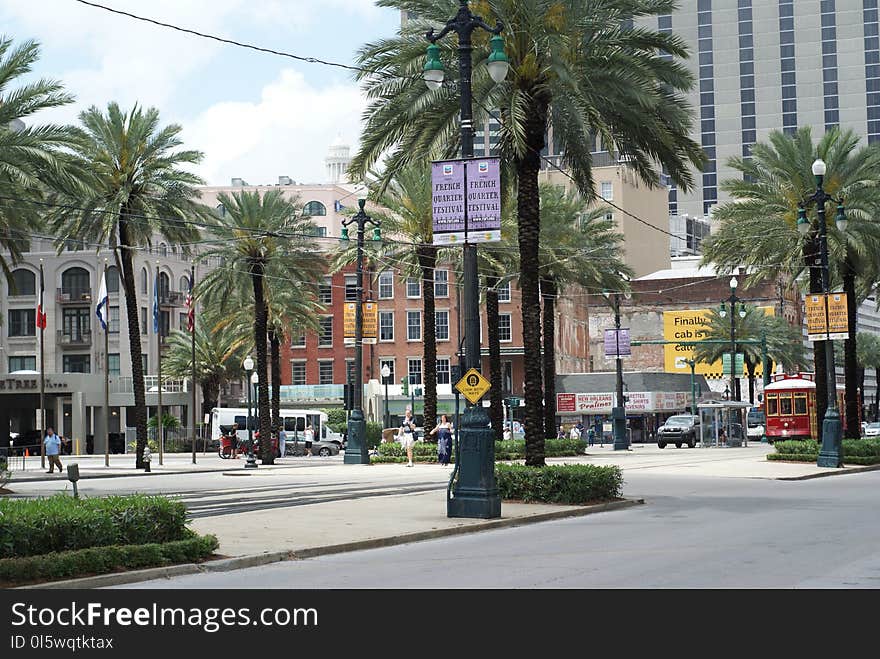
[
  {"x": 263, "y": 236},
  {"x": 579, "y": 248},
  {"x": 575, "y": 64},
  {"x": 784, "y": 342},
  {"x": 134, "y": 187},
  {"x": 869, "y": 357},
  {"x": 30, "y": 156},
  {"x": 757, "y": 228}
]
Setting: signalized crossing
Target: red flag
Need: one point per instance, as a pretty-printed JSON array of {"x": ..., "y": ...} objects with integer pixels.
[
  {"x": 190, "y": 310},
  {"x": 41, "y": 316}
]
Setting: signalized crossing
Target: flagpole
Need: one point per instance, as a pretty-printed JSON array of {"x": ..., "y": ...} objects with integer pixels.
[
  {"x": 191, "y": 319},
  {"x": 106, "y": 372},
  {"x": 42, "y": 325},
  {"x": 158, "y": 327}
]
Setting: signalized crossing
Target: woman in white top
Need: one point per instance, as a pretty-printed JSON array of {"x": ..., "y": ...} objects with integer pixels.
[{"x": 406, "y": 435}]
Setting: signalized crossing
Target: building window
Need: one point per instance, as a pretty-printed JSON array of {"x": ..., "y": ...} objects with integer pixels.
[
  {"x": 351, "y": 288},
  {"x": 144, "y": 281},
  {"x": 163, "y": 250},
  {"x": 507, "y": 377},
  {"x": 145, "y": 362},
  {"x": 443, "y": 371},
  {"x": 113, "y": 317},
  {"x": 325, "y": 338},
  {"x": 184, "y": 283},
  {"x": 441, "y": 325},
  {"x": 504, "y": 329},
  {"x": 77, "y": 364},
  {"x": 350, "y": 375},
  {"x": 113, "y": 363},
  {"x": 386, "y": 285},
  {"x": 298, "y": 373},
  {"x": 414, "y": 371},
  {"x": 386, "y": 325},
  {"x": 143, "y": 321},
  {"x": 389, "y": 362},
  {"x": 325, "y": 291},
  {"x": 181, "y": 319},
  {"x": 872, "y": 70},
  {"x": 787, "y": 66},
  {"x": 607, "y": 191},
  {"x": 26, "y": 363},
  {"x": 24, "y": 282},
  {"x": 298, "y": 341},
  {"x": 441, "y": 283},
  {"x": 325, "y": 372},
  {"x": 75, "y": 284},
  {"x": 413, "y": 325},
  {"x": 413, "y": 288},
  {"x": 112, "y": 279},
  {"x": 22, "y": 322},
  {"x": 503, "y": 292},
  {"x": 314, "y": 208}
]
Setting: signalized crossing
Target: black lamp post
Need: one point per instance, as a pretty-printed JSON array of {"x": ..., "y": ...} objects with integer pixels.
[
  {"x": 386, "y": 374},
  {"x": 251, "y": 463},
  {"x": 356, "y": 451},
  {"x": 618, "y": 412},
  {"x": 734, "y": 379},
  {"x": 831, "y": 453},
  {"x": 476, "y": 494}
]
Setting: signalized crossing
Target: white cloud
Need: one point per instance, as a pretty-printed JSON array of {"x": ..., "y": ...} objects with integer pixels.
[{"x": 287, "y": 132}]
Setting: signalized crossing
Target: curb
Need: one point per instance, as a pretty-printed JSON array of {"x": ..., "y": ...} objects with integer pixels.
[
  {"x": 255, "y": 560},
  {"x": 847, "y": 470},
  {"x": 139, "y": 472}
]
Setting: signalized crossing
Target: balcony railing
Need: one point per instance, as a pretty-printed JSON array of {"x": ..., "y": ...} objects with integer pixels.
[
  {"x": 303, "y": 392},
  {"x": 125, "y": 385},
  {"x": 171, "y": 298},
  {"x": 69, "y": 339},
  {"x": 73, "y": 295}
]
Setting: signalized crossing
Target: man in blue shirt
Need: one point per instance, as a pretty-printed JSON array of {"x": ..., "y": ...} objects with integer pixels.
[{"x": 53, "y": 450}]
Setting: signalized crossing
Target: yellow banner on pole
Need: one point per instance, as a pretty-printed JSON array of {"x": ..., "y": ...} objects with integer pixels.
[
  {"x": 837, "y": 325},
  {"x": 370, "y": 326}
]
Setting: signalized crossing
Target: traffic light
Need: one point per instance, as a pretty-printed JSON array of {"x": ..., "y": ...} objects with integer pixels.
[
  {"x": 404, "y": 383},
  {"x": 417, "y": 391}
]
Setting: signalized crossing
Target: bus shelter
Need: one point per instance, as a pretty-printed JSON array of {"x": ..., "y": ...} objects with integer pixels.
[{"x": 722, "y": 413}]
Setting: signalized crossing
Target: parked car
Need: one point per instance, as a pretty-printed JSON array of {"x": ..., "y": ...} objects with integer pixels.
[
  {"x": 873, "y": 429},
  {"x": 322, "y": 447},
  {"x": 755, "y": 422},
  {"x": 678, "y": 430}
]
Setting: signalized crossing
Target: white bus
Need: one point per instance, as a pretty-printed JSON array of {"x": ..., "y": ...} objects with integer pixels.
[{"x": 294, "y": 423}]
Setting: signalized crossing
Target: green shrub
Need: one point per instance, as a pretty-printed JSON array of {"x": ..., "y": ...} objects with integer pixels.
[
  {"x": 30, "y": 527},
  {"x": 800, "y": 446},
  {"x": 336, "y": 419},
  {"x": 100, "y": 560},
  {"x": 855, "y": 451},
  {"x": 569, "y": 484},
  {"x": 374, "y": 434}
]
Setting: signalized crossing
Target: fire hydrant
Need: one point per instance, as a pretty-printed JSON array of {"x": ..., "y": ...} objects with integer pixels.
[{"x": 146, "y": 459}]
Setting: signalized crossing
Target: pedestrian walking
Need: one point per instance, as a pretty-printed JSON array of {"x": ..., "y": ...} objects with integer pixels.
[
  {"x": 585, "y": 434},
  {"x": 406, "y": 435},
  {"x": 309, "y": 437},
  {"x": 574, "y": 433},
  {"x": 560, "y": 434},
  {"x": 600, "y": 431},
  {"x": 443, "y": 430},
  {"x": 282, "y": 442},
  {"x": 591, "y": 436},
  {"x": 53, "y": 449}
]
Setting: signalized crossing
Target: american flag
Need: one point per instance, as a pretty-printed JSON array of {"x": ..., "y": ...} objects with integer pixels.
[{"x": 190, "y": 309}]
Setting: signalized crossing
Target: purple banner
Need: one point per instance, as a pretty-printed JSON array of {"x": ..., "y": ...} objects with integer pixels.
[
  {"x": 447, "y": 196},
  {"x": 482, "y": 179},
  {"x": 484, "y": 195},
  {"x": 611, "y": 343}
]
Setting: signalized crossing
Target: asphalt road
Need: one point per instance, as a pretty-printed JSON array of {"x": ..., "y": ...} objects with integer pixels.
[{"x": 694, "y": 532}]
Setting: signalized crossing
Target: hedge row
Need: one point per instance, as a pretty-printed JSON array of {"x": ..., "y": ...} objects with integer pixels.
[
  {"x": 29, "y": 527},
  {"x": 101, "y": 560},
  {"x": 569, "y": 484},
  {"x": 855, "y": 451},
  {"x": 812, "y": 457},
  {"x": 514, "y": 449}
]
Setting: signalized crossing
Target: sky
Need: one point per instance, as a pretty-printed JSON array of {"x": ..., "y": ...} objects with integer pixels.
[{"x": 254, "y": 115}]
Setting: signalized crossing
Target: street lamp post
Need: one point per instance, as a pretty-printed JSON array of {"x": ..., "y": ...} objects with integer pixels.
[
  {"x": 476, "y": 494},
  {"x": 831, "y": 453},
  {"x": 356, "y": 451},
  {"x": 249, "y": 367},
  {"x": 386, "y": 373},
  {"x": 734, "y": 379},
  {"x": 618, "y": 412}
]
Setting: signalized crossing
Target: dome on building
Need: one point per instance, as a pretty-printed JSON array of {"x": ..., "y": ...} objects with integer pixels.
[{"x": 337, "y": 161}]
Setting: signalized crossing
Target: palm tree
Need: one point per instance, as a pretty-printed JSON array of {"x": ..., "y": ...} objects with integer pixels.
[
  {"x": 134, "y": 186},
  {"x": 869, "y": 357},
  {"x": 579, "y": 248},
  {"x": 266, "y": 241},
  {"x": 577, "y": 65},
  {"x": 757, "y": 228},
  {"x": 29, "y": 155},
  {"x": 784, "y": 342}
]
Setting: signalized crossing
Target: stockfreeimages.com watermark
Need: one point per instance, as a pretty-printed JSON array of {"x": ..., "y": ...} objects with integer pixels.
[{"x": 97, "y": 615}]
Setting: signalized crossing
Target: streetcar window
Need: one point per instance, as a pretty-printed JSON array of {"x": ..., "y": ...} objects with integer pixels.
[
  {"x": 800, "y": 404},
  {"x": 784, "y": 404},
  {"x": 772, "y": 405}
]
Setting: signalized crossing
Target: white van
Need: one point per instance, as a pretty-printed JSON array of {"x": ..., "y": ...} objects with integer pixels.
[{"x": 294, "y": 423}]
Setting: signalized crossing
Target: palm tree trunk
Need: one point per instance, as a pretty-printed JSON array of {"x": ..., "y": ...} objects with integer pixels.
[
  {"x": 427, "y": 256},
  {"x": 850, "y": 359},
  {"x": 548, "y": 293},
  {"x": 529, "y": 230},
  {"x": 751, "y": 366},
  {"x": 260, "y": 328},
  {"x": 275, "y": 348},
  {"x": 134, "y": 342},
  {"x": 496, "y": 393},
  {"x": 811, "y": 258}
]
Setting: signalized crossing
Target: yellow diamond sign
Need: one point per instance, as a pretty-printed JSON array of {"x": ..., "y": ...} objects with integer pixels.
[{"x": 473, "y": 386}]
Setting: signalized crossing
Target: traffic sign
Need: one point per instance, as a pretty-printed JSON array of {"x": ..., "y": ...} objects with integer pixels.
[{"x": 473, "y": 386}]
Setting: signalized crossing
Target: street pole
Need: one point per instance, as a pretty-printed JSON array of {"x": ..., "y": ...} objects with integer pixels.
[
  {"x": 831, "y": 453},
  {"x": 191, "y": 321},
  {"x": 476, "y": 494},
  {"x": 106, "y": 379},
  {"x": 765, "y": 376},
  {"x": 158, "y": 327},
  {"x": 42, "y": 325},
  {"x": 618, "y": 413},
  {"x": 356, "y": 451},
  {"x": 248, "y": 369}
]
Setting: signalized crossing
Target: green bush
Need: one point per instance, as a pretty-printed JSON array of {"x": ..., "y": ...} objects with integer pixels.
[
  {"x": 101, "y": 560},
  {"x": 569, "y": 484},
  {"x": 799, "y": 446},
  {"x": 336, "y": 418},
  {"x": 29, "y": 527},
  {"x": 374, "y": 434},
  {"x": 855, "y": 451}
]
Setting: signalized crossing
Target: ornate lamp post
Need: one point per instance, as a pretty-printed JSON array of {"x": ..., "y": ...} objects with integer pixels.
[
  {"x": 476, "y": 494},
  {"x": 249, "y": 368},
  {"x": 356, "y": 451},
  {"x": 734, "y": 379},
  {"x": 831, "y": 453},
  {"x": 386, "y": 373},
  {"x": 618, "y": 412}
]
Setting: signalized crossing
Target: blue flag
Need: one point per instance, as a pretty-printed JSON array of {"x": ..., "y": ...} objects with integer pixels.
[
  {"x": 156, "y": 305},
  {"x": 101, "y": 308}
]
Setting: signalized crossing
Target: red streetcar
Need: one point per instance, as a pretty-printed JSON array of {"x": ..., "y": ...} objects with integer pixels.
[{"x": 790, "y": 407}]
